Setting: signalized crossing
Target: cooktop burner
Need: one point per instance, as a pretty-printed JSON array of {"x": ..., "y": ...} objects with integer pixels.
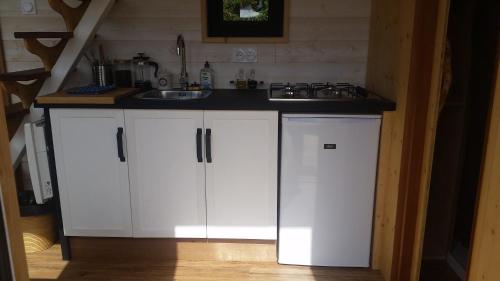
[{"x": 316, "y": 92}]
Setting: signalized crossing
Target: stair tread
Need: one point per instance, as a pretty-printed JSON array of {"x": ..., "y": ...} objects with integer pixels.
[
  {"x": 61, "y": 35},
  {"x": 25, "y": 75}
]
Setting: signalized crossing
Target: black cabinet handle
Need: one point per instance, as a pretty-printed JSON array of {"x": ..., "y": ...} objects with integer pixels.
[
  {"x": 208, "y": 143},
  {"x": 119, "y": 141},
  {"x": 199, "y": 154}
]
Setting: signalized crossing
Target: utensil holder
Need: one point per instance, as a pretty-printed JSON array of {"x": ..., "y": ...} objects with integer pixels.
[{"x": 103, "y": 74}]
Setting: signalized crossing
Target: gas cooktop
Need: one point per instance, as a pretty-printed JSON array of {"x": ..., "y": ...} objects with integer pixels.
[{"x": 317, "y": 92}]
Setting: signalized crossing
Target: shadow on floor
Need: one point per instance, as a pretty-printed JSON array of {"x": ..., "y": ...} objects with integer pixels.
[{"x": 48, "y": 266}]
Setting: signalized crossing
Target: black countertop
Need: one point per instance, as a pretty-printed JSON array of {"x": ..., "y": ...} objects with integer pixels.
[{"x": 249, "y": 100}]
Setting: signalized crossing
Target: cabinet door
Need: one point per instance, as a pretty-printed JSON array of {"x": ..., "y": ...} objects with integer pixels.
[
  {"x": 241, "y": 179},
  {"x": 167, "y": 182},
  {"x": 92, "y": 178}
]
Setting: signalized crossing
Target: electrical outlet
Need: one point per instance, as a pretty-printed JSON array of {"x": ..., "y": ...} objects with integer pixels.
[
  {"x": 244, "y": 55},
  {"x": 28, "y": 7}
]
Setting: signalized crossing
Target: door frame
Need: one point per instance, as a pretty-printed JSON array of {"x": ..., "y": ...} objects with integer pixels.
[
  {"x": 421, "y": 117},
  {"x": 484, "y": 258}
]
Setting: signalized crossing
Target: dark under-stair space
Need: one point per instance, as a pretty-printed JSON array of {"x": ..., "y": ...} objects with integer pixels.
[{"x": 460, "y": 140}]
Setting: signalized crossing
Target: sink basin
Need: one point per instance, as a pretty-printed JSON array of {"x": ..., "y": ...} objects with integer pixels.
[{"x": 172, "y": 95}]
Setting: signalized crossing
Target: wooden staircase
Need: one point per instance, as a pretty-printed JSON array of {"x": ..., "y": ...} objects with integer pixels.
[
  {"x": 82, "y": 23},
  {"x": 26, "y": 84}
]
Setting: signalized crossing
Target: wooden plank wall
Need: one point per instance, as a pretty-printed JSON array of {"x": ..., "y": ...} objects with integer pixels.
[
  {"x": 328, "y": 39},
  {"x": 485, "y": 258},
  {"x": 388, "y": 74}
]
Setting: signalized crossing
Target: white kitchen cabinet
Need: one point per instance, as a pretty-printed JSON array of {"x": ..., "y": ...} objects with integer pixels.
[
  {"x": 167, "y": 173},
  {"x": 241, "y": 178},
  {"x": 179, "y": 173},
  {"x": 92, "y": 175}
]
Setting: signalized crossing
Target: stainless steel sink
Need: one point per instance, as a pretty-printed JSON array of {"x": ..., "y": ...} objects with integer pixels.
[{"x": 172, "y": 95}]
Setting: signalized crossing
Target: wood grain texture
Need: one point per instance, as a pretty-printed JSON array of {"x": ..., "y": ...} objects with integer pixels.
[
  {"x": 434, "y": 75},
  {"x": 3, "y": 69},
  {"x": 71, "y": 15},
  {"x": 25, "y": 75},
  {"x": 25, "y": 92},
  {"x": 106, "y": 98},
  {"x": 15, "y": 118},
  {"x": 405, "y": 50},
  {"x": 60, "y": 35},
  {"x": 48, "y": 265},
  {"x": 388, "y": 74},
  {"x": 48, "y": 55},
  {"x": 39, "y": 232},
  {"x": 10, "y": 202},
  {"x": 328, "y": 40},
  {"x": 173, "y": 249},
  {"x": 5, "y": 268},
  {"x": 429, "y": 35},
  {"x": 486, "y": 245}
]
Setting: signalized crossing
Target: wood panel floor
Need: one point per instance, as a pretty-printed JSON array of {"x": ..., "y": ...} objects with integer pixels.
[{"x": 48, "y": 265}]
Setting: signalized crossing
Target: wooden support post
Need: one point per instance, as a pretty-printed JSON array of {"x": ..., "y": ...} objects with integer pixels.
[
  {"x": 3, "y": 69},
  {"x": 10, "y": 202},
  {"x": 421, "y": 116}
]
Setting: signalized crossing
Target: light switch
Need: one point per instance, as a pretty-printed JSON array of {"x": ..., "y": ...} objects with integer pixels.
[
  {"x": 244, "y": 55},
  {"x": 28, "y": 7}
]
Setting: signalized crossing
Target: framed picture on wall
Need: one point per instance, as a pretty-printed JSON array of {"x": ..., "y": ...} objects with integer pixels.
[{"x": 255, "y": 21}]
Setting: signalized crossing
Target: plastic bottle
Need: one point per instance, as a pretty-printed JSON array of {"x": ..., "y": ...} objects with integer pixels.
[{"x": 207, "y": 77}]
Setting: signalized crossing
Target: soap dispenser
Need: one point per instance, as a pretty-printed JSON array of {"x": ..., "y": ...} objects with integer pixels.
[{"x": 207, "y": 77}]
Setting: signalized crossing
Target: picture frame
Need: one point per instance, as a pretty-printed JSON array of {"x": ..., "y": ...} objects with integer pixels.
[{"x": 260, "y": 21}]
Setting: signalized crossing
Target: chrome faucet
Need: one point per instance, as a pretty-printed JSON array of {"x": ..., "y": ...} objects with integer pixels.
[{"x": 181, "y": 51}]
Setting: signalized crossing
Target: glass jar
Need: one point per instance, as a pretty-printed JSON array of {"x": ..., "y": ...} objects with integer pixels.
[{"x": 123, "y": 73}]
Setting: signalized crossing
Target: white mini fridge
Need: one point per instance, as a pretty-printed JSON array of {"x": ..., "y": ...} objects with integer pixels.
[{"x": 328, "y": 172}]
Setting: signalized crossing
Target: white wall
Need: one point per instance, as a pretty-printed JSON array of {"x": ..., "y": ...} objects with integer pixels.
[{"x": 328, "y": 39}]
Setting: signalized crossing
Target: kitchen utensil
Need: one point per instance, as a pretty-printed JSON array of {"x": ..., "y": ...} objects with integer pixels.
[{"x": 103, "y": 74}]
